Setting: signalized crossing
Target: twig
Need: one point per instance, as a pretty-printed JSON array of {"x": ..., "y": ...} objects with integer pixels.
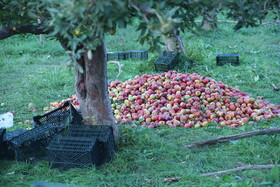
[
  {"x": 240, "y": 169},
  {"x": 271, "y": 83},
  {"x": 41, "y": 36},
  {"x": 138, "y": 10},
  {"x": 172, "y": 179},
  {"x": 233, "y": 137}
]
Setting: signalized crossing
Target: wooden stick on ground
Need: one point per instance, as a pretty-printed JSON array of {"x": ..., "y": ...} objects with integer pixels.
[
  {"x": 234, "y": 22},
  {"x": 233, "y": 137},
  {"x": 239, "y": 169}
]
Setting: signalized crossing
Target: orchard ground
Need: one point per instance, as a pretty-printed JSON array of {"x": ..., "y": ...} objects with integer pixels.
[{"x": 32, "y": 76}]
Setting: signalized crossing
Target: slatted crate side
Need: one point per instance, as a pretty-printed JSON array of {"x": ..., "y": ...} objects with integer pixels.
[
  {"x": 117, "y": 56},
  {"x": 166, "y": 62},
  {"x": 223, "y": 59},
  {"x": 82, "y": 146},
  {"x": 30, "y": 145},
  {"x": 138, "y": 54},
  {"x": 60, "y": 117},
  {"x": 66, "y": 153}
]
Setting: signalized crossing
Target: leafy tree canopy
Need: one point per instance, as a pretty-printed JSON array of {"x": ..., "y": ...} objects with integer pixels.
[{"x": 84, "y": 22}]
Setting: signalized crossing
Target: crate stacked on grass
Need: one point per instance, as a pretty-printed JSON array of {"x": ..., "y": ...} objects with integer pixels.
[
  {"x": 8, "y": 152},
  {"x": 127, "y": 55},
  {"x": 30, "y": 146},
  {"x": 2, "y": 132},
  {"x": 223, "y": 59},
  {"x": 60, "y": 117},
  {"x": 117, "y": 56},
  {"x": 167, "y": 61},
  {"x": 138, "y": 54},
  {"x": 82, "y": 146}
]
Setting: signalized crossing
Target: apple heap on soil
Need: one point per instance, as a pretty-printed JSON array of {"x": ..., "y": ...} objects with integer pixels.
[{"x": 182, "y": 100}]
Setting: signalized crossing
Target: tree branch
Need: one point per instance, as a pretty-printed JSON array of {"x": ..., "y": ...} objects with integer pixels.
[
  {"x": 233, "y": 137},
  {"x": 240, "y": 169},
  {"x": 139, "y": 10},
  {"x": 8, "y": 31}
]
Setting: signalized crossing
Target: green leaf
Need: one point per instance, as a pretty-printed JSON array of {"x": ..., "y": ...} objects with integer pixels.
[{"x": 172, "y": 12}]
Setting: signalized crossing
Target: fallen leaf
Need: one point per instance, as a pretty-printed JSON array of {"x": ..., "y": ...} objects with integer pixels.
[
  {"x": 256, "y": 78},
  {"x": 30, "y": 105},
  {"x": 172, "y": 179},
  {"x": 254, "y": 52}
]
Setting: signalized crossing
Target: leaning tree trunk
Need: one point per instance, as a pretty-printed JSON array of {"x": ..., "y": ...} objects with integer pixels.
[
  {"x": 173, "y": 42},
  {"x": 209, "y": 21},
  {"x": 92, "y": 89}
]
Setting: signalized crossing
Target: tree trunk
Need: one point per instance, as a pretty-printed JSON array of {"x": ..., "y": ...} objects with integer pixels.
[
  {"x": 92, "y": 89},
  {"x": 209, "y": 21},
  {"x": 173, "y": 42}
]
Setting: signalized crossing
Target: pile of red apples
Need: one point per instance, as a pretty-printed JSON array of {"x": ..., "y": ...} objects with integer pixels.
[{"x": 182, "y": 100}]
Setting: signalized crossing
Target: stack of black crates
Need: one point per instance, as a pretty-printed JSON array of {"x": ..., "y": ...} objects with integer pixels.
[
  {"x": 30, "y": 145},
  {"x": 127, "y": 55},
  {"x": 167, "y": 61},
  {"x": 62, "y": 138}
]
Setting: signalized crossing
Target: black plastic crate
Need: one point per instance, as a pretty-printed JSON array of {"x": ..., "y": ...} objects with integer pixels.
[
  {"x": 138, "y": 54},
  {"x": 117, "y": 56},
  {"x": 227, "y": 59},
  {"x": 2, "y": 132},
  {"x": 170, "y": 53},
  {"x": 8, "y": 152},
  {"x": 167, "y": 62},
  {"x": 81, "y": 146},
  {"x": 60, "y": 117},
  {"x": 30, "y": 146}
]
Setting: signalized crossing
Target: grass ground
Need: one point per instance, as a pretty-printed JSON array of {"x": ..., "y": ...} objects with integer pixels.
[{"x": 33, "y": 75}]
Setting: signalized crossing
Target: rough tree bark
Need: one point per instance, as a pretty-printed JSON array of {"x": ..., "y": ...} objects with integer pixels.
[{"x": 92, "y": 89}]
